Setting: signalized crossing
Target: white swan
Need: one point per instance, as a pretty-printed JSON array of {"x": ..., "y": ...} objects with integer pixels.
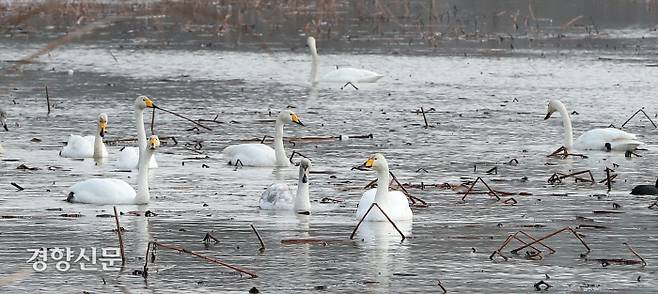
[
  {"x": 129, "y": 156},
  {"x": 260, "y": 154},
  {"x": 595, "y": 139},
  {"x": 279, "y": 197},
  {"x": 341, "y": 75},
  {"x": 394, "y": 203},
  {"x": 113, "y": 191},
  {"x": 88, "y": 146}
]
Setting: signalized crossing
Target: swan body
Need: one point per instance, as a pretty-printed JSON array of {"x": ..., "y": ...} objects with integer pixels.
[
  {"x": 260, "y": 154},
  {"x": 279, "y": 197},
  {"x": 618, "y": 139},
  {"x": 595, "y": 139},
  {"x": 129, "y": 157},
  {"x": 78, "y": 147},
  {"x": 102, "y": 191},
  {"x": 276, "y": 197},
  {"x": 341, "y": 75},
  {"x": 394, "y": 203},
  {"x": 645, "y": 189},
  {"x": 88, "y": 146},
  {"x": 251, "y": 154},
  {"x": 353, "y": 75},
  {"x": 113, "y": 191}
]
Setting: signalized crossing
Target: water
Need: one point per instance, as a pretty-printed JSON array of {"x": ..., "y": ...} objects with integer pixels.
[{"x": 489, "y": 109}]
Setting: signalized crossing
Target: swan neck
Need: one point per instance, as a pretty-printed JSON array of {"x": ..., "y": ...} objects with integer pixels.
[
  {"x": 568, "y": 130},
  {"x": 315, "y": 64},
  {"x": 279, "y": 151},
  {"x": 141, "y": 133},
  {"x": 143, "y": 195},
  {"x": 98, "y": 145},
  {"x": 302, "y": 199},
  {"x": 383, "y": 180}
]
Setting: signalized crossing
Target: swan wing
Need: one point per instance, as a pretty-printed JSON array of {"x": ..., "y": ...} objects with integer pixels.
[
  {"x": 250, "y": 155},
  {"x": 595, "y": 140},
  {"x": 78, "y": 147},
  {"x": 129, "y": 159},
  {"x": 354, "y": 75},
  {"x": 90, "y": 139},
  {"x": 367, "y": 199},
  {"x": 395, "y": 205},
  {"x": 277, "y": 197},
  {"x": 102, "y": 191}
]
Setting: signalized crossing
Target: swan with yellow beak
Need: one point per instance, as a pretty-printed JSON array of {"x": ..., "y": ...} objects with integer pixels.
[
  {"x": 115, "y": 191},
  {"x": 260, "y": 154},
  {"x": 394, "y": 203},
  {"x": 89, "y": 146},
  {"x": 129, "y": 156}
]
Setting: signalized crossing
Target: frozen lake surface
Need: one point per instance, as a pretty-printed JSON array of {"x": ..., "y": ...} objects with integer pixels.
[{"x": 483, "y": 110}]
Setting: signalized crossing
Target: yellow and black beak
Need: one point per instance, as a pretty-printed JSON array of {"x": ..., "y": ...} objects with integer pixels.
[
  {"x": 102, "y": 128},
  {"x": 548, "y": 115},
  {"x": 153, "y": 143},
  {"x": 149, "y": 103},
  {"x": 366, "y": 165},
  {"x": 369, "y": 162},
  {"x": 296, "y": 119}
]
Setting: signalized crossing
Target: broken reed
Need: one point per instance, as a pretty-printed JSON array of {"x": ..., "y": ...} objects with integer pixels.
[
  {"x": 47, "y": 98},
  {"x": 119, "y": 233},
  {"x": 374, "y": 204},
  {"x": 260, "y": 240},
  {"x": 152, "y": 245},
  {"x": 535, "y": 241},
  {"x": 641, "y": 110}
]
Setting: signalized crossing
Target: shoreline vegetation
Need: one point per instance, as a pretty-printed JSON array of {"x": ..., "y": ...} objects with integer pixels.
[{"x": 379, "y": 27}]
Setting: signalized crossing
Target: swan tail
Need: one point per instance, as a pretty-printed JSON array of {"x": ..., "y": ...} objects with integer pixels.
[
  {"x": 70, "y": 197},
  {"x": 625, "y": 144}
]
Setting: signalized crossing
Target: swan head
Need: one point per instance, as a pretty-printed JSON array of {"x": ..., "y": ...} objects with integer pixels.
[
  {"x": 304, "y": 168},
  {"x": 376, "y": 162},
  {"x": 288, "y": 116},
  {"x": 553, "y": 106},
  {"x": 154, "y": 143},
  {"x": 3, "y": 120},
  {"x": 142, "y": 102},
  {"x": 102, "y": 124}
]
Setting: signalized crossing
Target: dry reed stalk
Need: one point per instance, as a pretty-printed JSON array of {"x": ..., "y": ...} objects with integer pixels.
[
  {"x": 120, "y": 234},
  {"x": 634, "y": 114},
  {"x": 260, "y": 240},
  {"x": 374, "y": 204},
  {"x": 156, "y": 244},
  {"x": 491, "y": 191},
  {"x": 575, "y": 234}
]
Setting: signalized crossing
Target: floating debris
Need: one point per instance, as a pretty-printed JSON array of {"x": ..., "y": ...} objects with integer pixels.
[
  {"x": 563, "y": 153},
  {"x": 208, "y": 237},
  {"x": 558, "y": 177},
  {"x": 152, "y": 245}
]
